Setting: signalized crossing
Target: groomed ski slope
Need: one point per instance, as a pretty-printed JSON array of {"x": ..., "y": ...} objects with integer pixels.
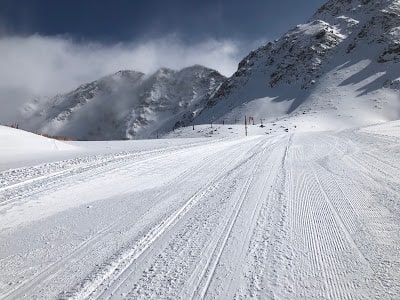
[{"x": 290, "y": 215}]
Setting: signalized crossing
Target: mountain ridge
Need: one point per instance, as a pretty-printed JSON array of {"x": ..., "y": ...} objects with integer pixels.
[
  {"x": 285, "y": 74},
  {"x": 128, "y": 104},
  {"x": 339, "y": 67}
]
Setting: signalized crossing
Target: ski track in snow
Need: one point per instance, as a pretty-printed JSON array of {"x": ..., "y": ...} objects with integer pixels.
[{"x": 291, "y": 216}]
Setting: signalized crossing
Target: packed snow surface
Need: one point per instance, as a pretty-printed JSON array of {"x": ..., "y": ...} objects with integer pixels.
[{"x": 292, "y": 214}]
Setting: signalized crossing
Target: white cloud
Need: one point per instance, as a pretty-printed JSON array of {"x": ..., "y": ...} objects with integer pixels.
[{"x": 38, "y": 65}]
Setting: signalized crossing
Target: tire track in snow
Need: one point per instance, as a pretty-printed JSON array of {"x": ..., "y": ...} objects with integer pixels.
[
  {"x": 49, "y": 273},
  {"x": 381, "y": 182},
  {"x": 382, "y": 171},
  {"x": 16, "y": 177},
  {"x": 50, "y": 172},
  {"x": 328, "y": 258},
  {"x": 338, "y": 206},
  {"x": 375, "y": 166},
  {"x": 170, "y": 272},
  {"x": 189, "y": 245},
  {"x": 208, "y": 272},
  {"x": 266, "y": 250},
  {"x": 119, "y": 268},
  {"x": 322, "y": 238},
  {"x": 267, "y": 176},
  {"x": 322, "y": 217},
  {"x": 378, "y": 227},
  {"x": 61, "y": 179}
]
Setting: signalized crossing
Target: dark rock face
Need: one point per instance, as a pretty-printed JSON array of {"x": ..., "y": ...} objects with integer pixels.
[
  {"x": 338, "y": 28},
  {"x": 129, "y": 105}
]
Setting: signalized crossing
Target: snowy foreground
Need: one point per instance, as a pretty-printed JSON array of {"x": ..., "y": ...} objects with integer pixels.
[{"x": 289, "y": 215}]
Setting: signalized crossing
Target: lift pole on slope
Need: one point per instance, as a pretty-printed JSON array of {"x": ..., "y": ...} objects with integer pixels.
[{"x": 245, "y": 125}]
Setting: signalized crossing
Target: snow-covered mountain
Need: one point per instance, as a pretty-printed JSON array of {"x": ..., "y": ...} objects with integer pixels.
[
  {"x": 129, "y": 104},
  {"x": 341, "y": 68}
]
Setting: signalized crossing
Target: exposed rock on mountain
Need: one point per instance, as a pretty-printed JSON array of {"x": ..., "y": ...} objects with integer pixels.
[
  {"x": 348, "y": 51},
  {"x": 129, "y": 105},
  {"x": 340, "y": 69}
]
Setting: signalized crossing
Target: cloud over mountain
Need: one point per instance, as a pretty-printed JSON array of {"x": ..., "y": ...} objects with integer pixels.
[{"x": 38, "y": 65}]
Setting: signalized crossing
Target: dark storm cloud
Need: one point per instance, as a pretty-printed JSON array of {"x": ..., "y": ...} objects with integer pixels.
[
  {"x": 49, "y": 46},
  {"x": 122, "y": 20}
]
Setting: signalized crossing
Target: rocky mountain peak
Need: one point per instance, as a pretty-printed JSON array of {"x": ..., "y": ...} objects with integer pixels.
[
  {"x": 340, "y": 33},
  {"x": 272, "y": 81},
  {"x": 129, "y": 104},
  {"x": 347, "y": 14},
  {"x": 128, "y": 74}
]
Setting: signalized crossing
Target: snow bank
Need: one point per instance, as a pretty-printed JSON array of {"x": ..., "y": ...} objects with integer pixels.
[{"x": 18, "y": 145}]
